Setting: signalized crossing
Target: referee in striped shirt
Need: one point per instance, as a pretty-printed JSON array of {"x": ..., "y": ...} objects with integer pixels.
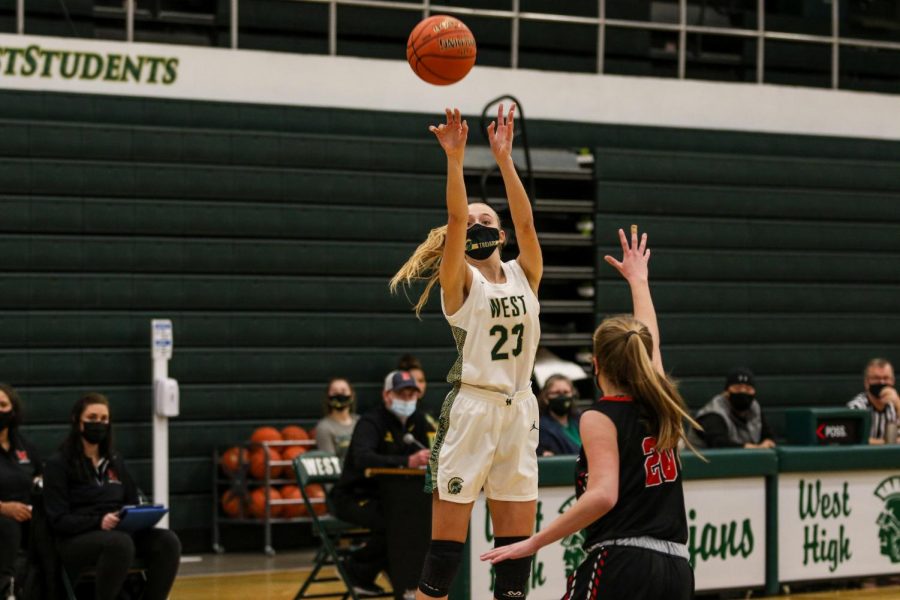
[{"x": 880, "y": 397}]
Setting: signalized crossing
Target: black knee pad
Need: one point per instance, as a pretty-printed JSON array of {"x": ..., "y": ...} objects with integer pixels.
[
  {"x": 512, "y": 575},
  {"x": 441, "y": 565}
]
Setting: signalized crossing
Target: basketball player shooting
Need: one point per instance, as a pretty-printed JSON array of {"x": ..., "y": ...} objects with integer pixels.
[{"x": 487, "y": 434}]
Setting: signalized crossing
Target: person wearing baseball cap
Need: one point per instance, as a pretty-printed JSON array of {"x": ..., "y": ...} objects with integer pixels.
[
  {"x": 734, "y": 418},
  {"x": 381, "y": 439}
]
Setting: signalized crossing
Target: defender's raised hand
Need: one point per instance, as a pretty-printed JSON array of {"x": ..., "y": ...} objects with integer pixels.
[
  {"x": 635, "y": 257},
  {"x": 452, "y": 135},
  {"x": 500, "y": 133}
]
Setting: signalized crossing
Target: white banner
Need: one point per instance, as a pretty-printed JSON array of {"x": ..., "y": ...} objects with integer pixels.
[
  {"x": 838, "y": 524},
  {"x": 727, "y": 539},
  {"x": 167, "y": 71},
  {"x": 727, "y": 532}
]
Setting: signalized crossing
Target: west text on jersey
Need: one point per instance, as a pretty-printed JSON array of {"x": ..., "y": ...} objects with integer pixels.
[{"x": 510, "y": 306}]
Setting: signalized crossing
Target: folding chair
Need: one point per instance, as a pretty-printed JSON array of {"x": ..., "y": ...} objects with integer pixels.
[{"x": 324, "y": 468}]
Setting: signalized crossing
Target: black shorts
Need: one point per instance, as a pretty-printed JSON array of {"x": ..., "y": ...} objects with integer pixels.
[{"x": 630, "y": 573}]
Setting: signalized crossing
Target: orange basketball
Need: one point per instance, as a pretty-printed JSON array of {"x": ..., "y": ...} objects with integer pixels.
[
  {"x": 292, "y": 452},
  {"x": 266, "y": 434},
  {"x": 257, "y": 506},
  {"x": 441, "y": 50},
  {"x": 231, "y": 460},
  {"x": 258, "y": 463},
  {"x": 292, "y": 492},
  {"x": 294, "y": 433},
  {"x": 314, "y": 490},
  {"x": 231, "y": 504}
]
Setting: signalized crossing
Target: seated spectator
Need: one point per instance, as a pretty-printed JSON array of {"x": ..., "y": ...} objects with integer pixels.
[
  {"x": 879, "y": 398},
  {"x": 86, "y": 484},
  {"x": 734, "y": 418},
  {"x": 559, "y": 417},
  {"x": 334, "y": 431},
  {"x": 410, "y": 363},
  {"x": 379, "y": 441},
  {"x": 20, "y": 468}
]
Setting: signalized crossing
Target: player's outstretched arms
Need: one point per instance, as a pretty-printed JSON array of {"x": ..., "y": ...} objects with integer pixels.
[
  {"x": 452, "y": 137},
  {"x": 500, "y": 134},
  {"x": 634, "y": 268}
]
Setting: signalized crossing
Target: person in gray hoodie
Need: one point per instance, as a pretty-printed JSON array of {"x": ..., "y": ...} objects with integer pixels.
[{"x": 734, "y": 418}]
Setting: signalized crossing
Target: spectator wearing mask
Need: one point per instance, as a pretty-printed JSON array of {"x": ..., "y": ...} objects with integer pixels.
[
  {"x": 734, "y": 418},
  {"x": 559, "y": 418},
  {"x": 379, "y": 440},
  {"x": 879, "y": 398},
  {"x": 334, "y": 431},
  {"x": 20, "y": 468},
  {"x": 86, "y": 484}
]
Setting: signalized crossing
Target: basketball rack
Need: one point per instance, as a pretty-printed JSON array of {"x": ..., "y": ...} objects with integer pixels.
[{"x": 241, "y": 483}]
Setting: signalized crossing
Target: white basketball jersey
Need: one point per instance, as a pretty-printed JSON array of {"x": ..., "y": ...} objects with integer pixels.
[{"x": 497, "y": 331}]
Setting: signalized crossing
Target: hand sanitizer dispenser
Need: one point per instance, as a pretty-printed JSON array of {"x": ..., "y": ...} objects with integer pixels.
[{"x": 165, "y": 396}]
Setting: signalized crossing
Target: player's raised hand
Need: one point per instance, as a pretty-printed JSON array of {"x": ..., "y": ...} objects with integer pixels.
[
  {"x": 635, "y": 257},
  {"x": 500, "y": 133},
  {"x": 452, "y": 135}
]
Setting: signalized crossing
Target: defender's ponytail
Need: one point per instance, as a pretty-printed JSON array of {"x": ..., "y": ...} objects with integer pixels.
[{"x": 623, "y": 348}]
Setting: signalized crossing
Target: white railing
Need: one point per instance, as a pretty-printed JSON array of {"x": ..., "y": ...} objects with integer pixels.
[{"x": 516, "y": 16}]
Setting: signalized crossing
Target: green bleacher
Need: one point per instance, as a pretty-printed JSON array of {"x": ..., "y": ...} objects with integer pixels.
[{"x": 268, "y": 233}]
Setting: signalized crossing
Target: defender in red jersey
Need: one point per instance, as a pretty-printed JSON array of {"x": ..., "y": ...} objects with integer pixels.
[{"x": 628, "y": 480}]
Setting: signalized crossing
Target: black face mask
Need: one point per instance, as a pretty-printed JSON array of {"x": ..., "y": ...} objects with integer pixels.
[
  {"x": 481, "y": 241},
  {"x": 740, "y": 402},
  {"x": 95, "y": 431},
  {"x": 339, "y": 401},
  {"x": 560, "y": 405},
  {"x": 6, "y": 419},
  {"x": 875, "y": 389}
]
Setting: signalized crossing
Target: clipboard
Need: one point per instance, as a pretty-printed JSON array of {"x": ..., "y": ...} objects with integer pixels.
[{"x": 138, "y": 518}]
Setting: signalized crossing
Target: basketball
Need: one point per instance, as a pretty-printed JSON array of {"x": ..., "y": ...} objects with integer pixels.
[
  {"x": 231, "y": 504},
  {"x": 441, "y": 50},
  {"x": 292, "y": 492},
  {"x": 258, "y": 463},
  {"x": 232, "y": 459},
  {"x": 257, "y": 507},
  {"x": 294, "y": 433},
  {"x": 314, "y": 490},
  {"x": 292, "y": 452},
  {"x": 266, "y": 434}
]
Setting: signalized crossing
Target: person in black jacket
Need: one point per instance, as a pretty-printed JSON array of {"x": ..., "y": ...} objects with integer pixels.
[
  {"x": 379, "y": 441},
  {"x": 559, "y": 434},
  {"x": 86, "y": 484},
  {"x": 20, "y": 469}
]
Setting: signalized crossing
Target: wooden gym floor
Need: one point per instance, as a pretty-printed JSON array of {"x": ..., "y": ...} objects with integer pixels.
[{"x": 255, "y": 577}]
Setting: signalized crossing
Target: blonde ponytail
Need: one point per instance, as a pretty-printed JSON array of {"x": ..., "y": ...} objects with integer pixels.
[
  {"x": 424, "y": 264},
  {"x": 623, "y": 348}
]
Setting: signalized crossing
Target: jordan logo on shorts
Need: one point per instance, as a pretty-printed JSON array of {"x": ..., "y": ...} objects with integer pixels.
[{"x": 534, "y": 427}]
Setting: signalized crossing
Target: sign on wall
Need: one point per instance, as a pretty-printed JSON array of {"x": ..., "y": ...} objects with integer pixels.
[
  {"x": 87, "y": 66},
  {"x": 838, "y": 524},
  {"x": 726, "y": 539}
]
